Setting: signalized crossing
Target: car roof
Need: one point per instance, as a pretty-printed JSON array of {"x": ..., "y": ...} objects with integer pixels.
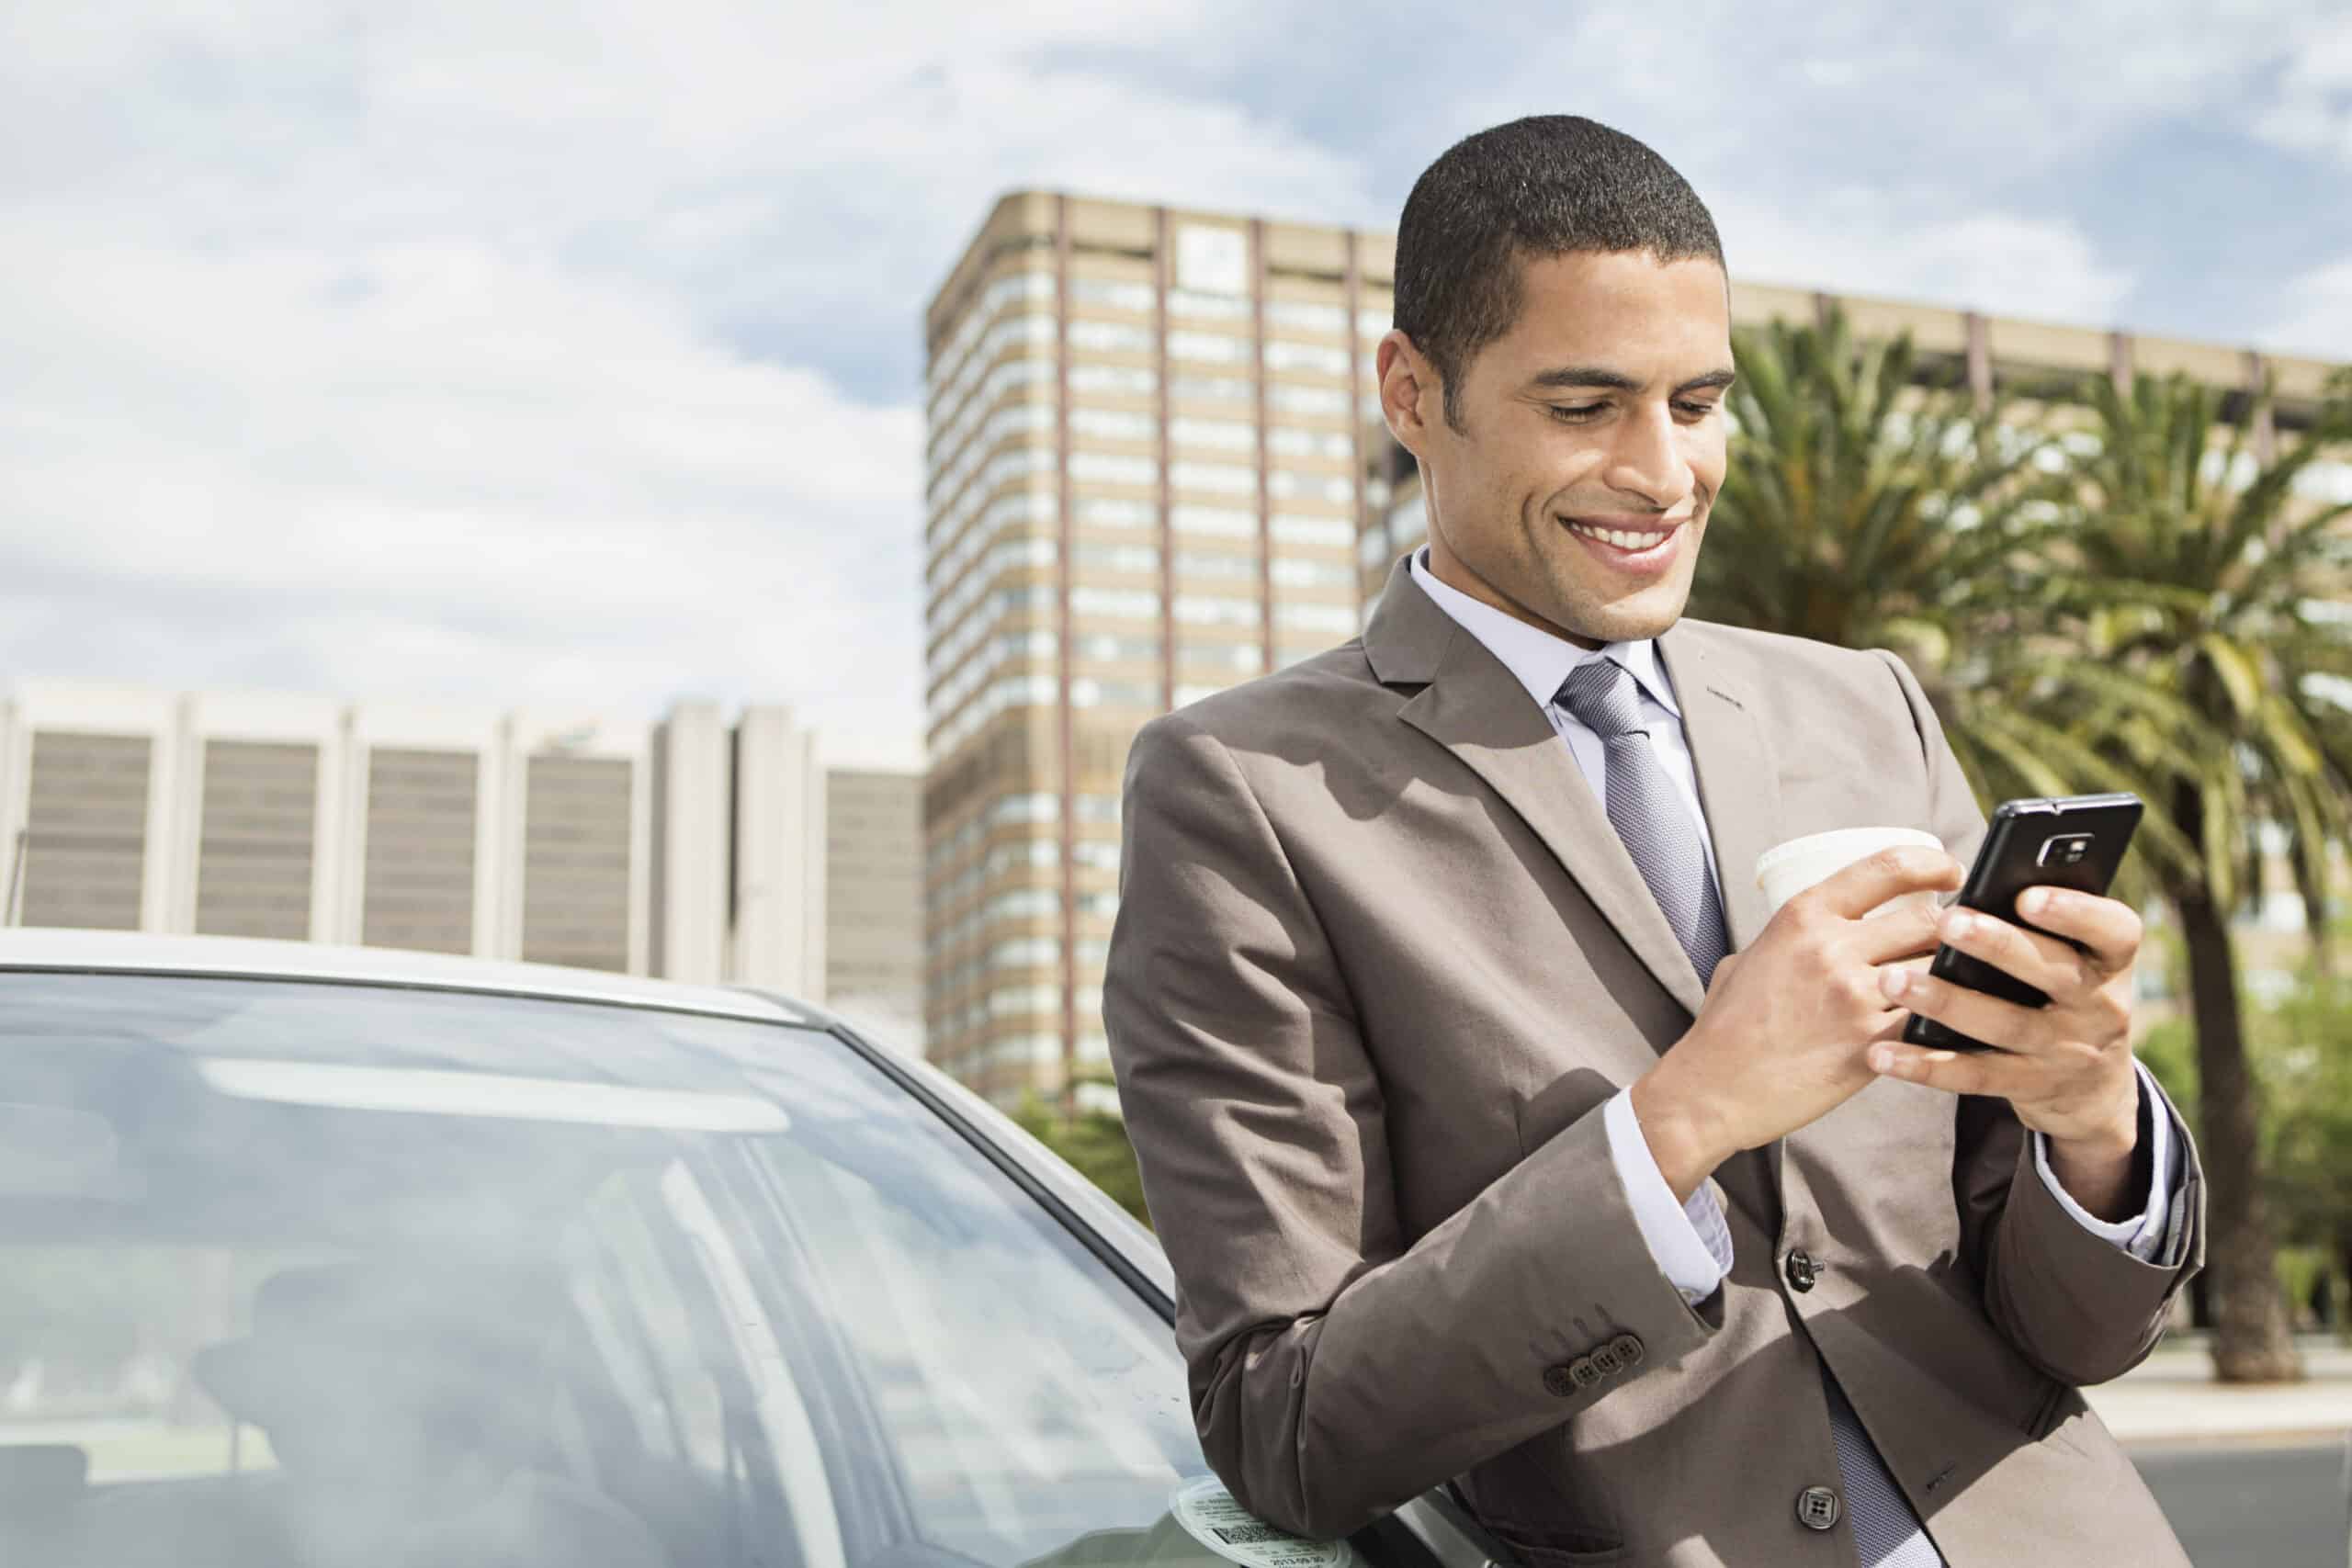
[{"x": 142, "y": 952}]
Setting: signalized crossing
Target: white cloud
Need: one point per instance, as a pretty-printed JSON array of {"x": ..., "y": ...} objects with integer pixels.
[
  {"x": 388, "y": 353},
  {"x": 2316, "y": 319},
  {"x": 2310, "y": 108},
  {"x": 1856, "y": 243}
]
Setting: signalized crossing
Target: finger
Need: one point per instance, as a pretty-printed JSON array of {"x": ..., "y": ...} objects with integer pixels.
[
  {"x": 2023, "y": 1029},
  {"x": 1889, "y": 874},
  {"x": 2043, "y": 962},
  {"x": 1958, "y": 1072},
  {"x": 1904, "y": 931},
  {"x": 2108, "y": 928}
]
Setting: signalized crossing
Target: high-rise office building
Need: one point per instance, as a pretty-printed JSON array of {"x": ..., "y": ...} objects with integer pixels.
[
  {"x": 688, "y": 847},
  {"x": 1152, "y": 453},
  {"x": 873, "y": 902}
]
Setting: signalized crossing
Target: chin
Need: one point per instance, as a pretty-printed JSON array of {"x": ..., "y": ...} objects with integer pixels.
[{"x": 1628, "y": 622}]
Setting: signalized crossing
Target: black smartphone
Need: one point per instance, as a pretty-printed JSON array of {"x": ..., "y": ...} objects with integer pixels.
[{"x": 2070, "y": 841}]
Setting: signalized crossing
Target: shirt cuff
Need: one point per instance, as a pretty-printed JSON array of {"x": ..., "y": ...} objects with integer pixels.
[
  {"x": 1690, "y": 1241},
  {"x": 2141, "y": 1234}
]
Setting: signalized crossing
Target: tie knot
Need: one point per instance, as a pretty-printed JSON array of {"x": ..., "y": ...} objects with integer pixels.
[{"x": 1599, "y": 693}]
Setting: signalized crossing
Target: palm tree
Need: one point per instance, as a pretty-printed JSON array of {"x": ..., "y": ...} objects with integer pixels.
[
  {"x": 1869, "y": 504},
  {"x": 2196, "y": 573}
]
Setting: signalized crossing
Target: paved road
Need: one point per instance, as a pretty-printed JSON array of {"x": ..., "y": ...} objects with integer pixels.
[{"x": 2250, "y": 1504}]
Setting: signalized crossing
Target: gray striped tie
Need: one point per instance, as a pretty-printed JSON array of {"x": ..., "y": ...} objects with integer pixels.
[{"x": 1658, "y": 834}]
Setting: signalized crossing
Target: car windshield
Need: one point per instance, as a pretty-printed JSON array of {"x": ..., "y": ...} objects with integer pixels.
[{"x": 322, "y": 1274}]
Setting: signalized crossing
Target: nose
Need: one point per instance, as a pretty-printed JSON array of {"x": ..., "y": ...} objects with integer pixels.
[{"x": 1646, "y": 459}]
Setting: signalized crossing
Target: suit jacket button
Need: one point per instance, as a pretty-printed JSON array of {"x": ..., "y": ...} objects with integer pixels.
[
  {"x": 1817, "y": 1508},
  {"x": 1557, "y": 1384},
  {"x": 1802, "y": 1269},
  {"x": 1628, "y": 1349},
  {"x": 1605, "y": 1356},
  {"x": 1583, "y": 1372}
]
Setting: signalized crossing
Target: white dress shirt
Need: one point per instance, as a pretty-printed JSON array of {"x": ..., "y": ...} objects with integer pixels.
[{"x": 1690, "y": 1241}]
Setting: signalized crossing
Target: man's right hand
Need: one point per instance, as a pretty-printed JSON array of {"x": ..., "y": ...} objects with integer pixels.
[{"x": 1782, "y": 1038}]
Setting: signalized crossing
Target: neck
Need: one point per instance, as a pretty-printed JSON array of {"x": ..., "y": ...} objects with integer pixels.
[{"x": 1448, "y": 569}]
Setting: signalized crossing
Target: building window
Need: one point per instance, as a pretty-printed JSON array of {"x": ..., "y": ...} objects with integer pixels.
[
  {"x": 1338, "y": 618},
  {"x": 1221, "y": 520},
  {"x": 1042, "y": 806},
  {"x": 1110, "y": 337},
  {"x": 1118, "y": 603},
  {"x": 1025, "y": 953},
  {"x": 1293, "y": 571},
  {"x": 1097, "y": 512},
  {"x": 1211, "y": 389},
  {"x": 1286, "y": 484},
  {"x": 1104, "y": 646},
  {"x": 1104, "y": 468},
  {"x": 1312, "y": 318},
  {"x": 1205, "y": 610},
  {"x": 1337, "y": 533},
  {"x": 1131, "y": 380},
  {"x": 1312, "y": 444},
  {"x": 1225, "y": 478},
  {"x": 1217, "y": 563},
  {"x": 1225, "y": 434},
  {"x": 1217, "y": 306},
  {"x": 1287, "y": 399},
  {"x": 1118, "y": 296},
  {"x": 1117, "y": 558},
  {"x": 1306, "y": 356},
  {"x": 1089, "y": 693},
  {"x": 1215, "y": 346}
]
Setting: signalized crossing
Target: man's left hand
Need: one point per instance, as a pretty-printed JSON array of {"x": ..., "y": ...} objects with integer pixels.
[{"x": 2065, "y": 1068}]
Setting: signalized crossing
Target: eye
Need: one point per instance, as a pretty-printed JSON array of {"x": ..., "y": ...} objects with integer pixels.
[
  {"x": 1571, "y": 413},
  {"x": 1695, "y": 411}
]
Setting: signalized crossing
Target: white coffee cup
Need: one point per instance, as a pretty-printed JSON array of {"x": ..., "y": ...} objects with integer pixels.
[{"x": 1788, "y": 869}]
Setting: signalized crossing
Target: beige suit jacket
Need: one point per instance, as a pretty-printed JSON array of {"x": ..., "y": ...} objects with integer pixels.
[{"x": 1380, "y": 959}]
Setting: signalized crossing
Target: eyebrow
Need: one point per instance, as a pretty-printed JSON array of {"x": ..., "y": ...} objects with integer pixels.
[{"x": 1618, "y": 381}]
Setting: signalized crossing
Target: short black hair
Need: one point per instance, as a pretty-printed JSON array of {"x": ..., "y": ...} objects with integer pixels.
[{"x": 1547, "y": 186}]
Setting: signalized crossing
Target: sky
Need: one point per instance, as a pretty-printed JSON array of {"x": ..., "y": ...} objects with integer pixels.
[{"x": 568, "y": 357}]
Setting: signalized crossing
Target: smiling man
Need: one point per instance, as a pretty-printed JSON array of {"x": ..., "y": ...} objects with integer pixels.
[{"x": 1495, "y": 1134}]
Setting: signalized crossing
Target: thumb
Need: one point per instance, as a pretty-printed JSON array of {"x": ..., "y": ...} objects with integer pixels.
[{"x": 1723, "y": 967}]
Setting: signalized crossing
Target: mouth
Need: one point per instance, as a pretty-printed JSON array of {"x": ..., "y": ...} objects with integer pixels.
[{"x": 1640, "y": 549}]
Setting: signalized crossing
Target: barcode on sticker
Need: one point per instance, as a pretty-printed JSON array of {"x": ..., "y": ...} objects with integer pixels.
[{"x": 1248, "y": 1534}]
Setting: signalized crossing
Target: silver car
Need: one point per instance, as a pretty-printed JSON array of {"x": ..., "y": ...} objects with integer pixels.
[{"x": 313, "y": 1256}]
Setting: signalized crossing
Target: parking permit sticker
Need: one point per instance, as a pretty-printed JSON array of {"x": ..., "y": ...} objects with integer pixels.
[{"x": 1211, "y": 1516}]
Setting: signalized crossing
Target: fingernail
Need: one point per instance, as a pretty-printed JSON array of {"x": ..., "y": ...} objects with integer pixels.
[
  {"x": 2033, "y": 900},
  {"x": 1958, "y": 923},
  {"x": 1882, "y": 1059},
  {"x": 1894, "y": 982}
]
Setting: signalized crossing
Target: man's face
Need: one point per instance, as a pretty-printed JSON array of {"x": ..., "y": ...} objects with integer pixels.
[{"x": 1575, "y": 492}]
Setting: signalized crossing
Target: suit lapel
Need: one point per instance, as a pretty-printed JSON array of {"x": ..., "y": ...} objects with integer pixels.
[
  {"x": 1739, "y": 791},
  {"x": 1477, "y": 710},
  {"x": 1739, "y": 782}
]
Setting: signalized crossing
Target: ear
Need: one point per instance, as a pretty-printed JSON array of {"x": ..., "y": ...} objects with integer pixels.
[{"x": 1410, "y": 396}]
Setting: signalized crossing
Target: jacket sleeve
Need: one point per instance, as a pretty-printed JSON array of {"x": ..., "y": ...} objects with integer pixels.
[
  {"x": 2075, "y": 1304},
  {"x": 1338, "y": 1367}
]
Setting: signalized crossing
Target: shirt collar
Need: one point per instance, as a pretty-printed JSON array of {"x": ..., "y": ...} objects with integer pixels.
[{"x": 1538, "y": 660}]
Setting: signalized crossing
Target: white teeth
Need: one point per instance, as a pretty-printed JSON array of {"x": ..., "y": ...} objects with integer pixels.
[{"x": 1621, "y": 537}]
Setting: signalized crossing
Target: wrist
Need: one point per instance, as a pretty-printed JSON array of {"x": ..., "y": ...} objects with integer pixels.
[
  {"x": 2097, "y": 1167},
  {"x": 1685, "y": 1143}
]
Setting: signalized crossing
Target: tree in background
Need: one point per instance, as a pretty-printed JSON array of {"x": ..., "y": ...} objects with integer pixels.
[
  {"x": 2301, "y": 1051},
  {"x": 1864, "y": 508},
  {"x": 1095, "y": 1144},
  {"x": 2191, "y": 572},
  {"x": 2138, "y": 605}
]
